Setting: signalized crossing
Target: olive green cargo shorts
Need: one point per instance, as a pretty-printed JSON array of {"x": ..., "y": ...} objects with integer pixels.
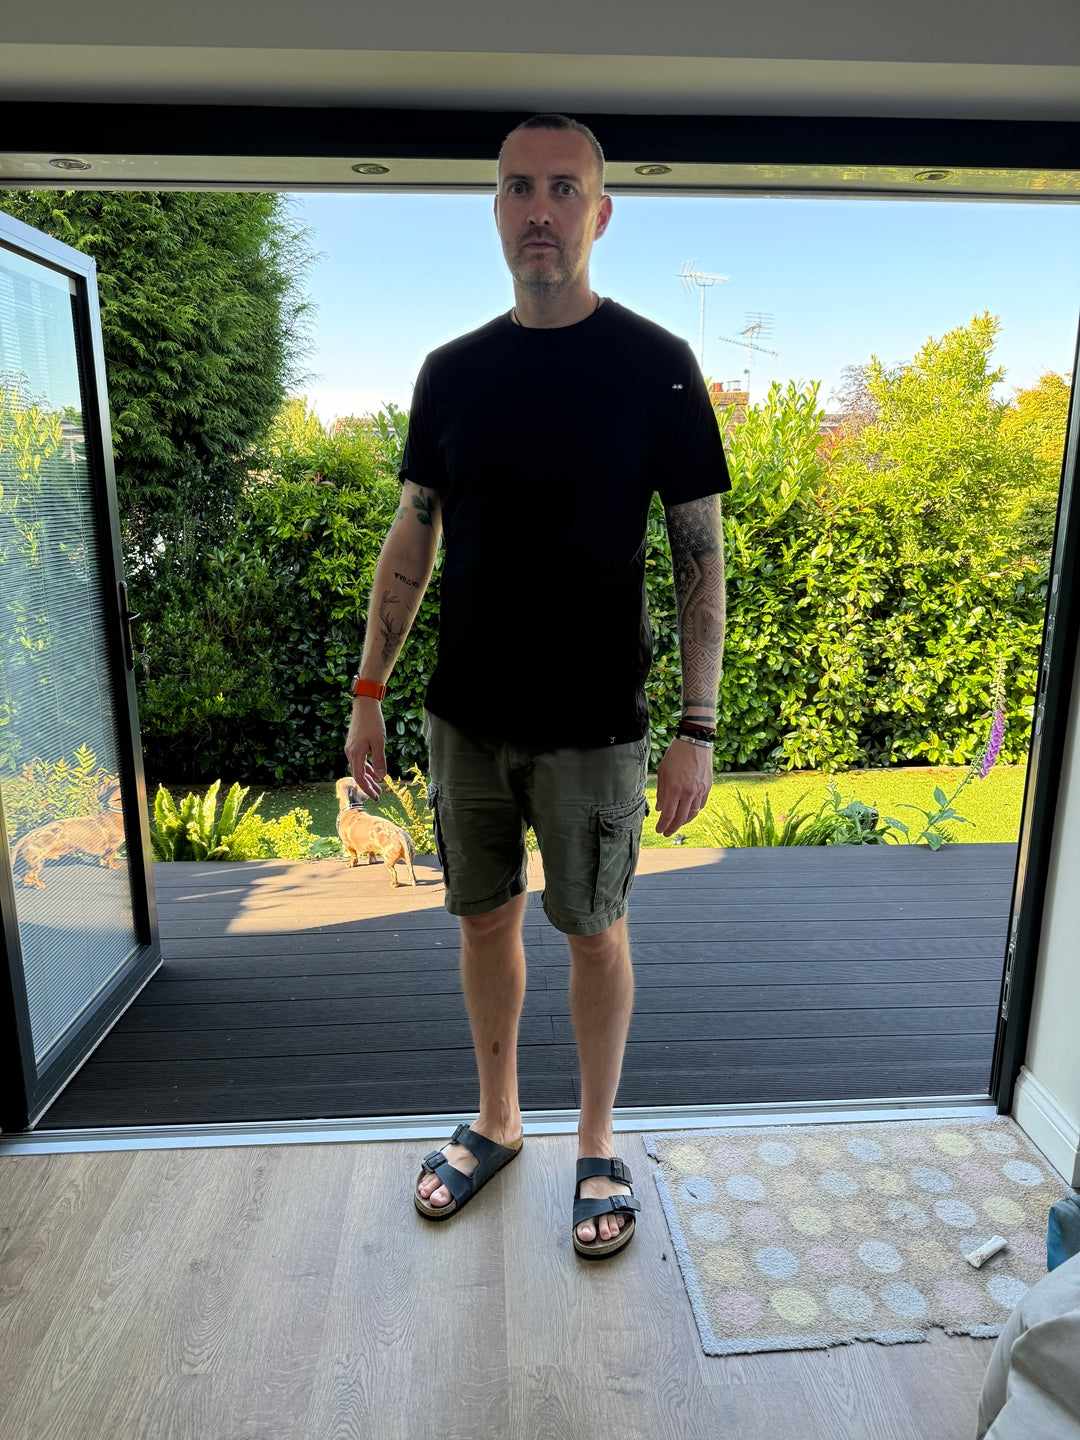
[{"x": 586, "y": 807}]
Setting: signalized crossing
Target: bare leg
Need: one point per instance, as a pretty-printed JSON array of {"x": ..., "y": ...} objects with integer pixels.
[
  {"x": 601, "y": 1002},
  {"x": 493, "y": 979}
]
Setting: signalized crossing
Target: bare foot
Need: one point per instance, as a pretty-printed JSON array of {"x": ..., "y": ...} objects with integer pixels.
[{"x": 431, "y": 1190}]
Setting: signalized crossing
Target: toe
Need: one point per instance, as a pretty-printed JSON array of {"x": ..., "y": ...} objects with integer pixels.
[
  {"x": 431, "y": 1191},
  {"x": 585, "y": 1232}
]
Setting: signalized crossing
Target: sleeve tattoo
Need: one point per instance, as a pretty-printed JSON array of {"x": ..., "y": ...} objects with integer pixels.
[
  {"x": 697, "y": 558},
  {"x": 396, "y": 608}
]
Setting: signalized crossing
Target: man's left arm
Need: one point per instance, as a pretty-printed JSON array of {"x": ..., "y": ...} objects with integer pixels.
[{"x": 696, "y": 536}]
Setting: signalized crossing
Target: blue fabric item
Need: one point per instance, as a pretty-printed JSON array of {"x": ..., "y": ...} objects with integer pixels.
[{"x": 1063, "y": 1231}]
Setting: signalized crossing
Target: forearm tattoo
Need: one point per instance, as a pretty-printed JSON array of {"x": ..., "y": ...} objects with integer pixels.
[
  {"x": 423, "y": 507},
  {"x": 697, "y": 558},
  {"x": 394, "y": 622},
  {"x": 406, "y": 581}
]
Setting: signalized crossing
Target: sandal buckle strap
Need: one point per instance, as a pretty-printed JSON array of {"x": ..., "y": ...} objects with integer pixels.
[
  {"x": 615, "y": 1168},
  {"x": 613, "y": 1205}
]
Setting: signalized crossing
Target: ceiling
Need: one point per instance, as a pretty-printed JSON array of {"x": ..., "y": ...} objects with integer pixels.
[{"x": 946, "y": 59}]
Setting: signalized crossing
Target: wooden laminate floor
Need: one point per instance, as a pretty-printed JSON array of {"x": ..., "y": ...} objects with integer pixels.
[
  {"x": 297, "y": 991},
  {"x": 292, "y": 1293}
]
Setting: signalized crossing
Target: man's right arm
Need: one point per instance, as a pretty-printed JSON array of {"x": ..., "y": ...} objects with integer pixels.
[{"x": 404, "y": 568}]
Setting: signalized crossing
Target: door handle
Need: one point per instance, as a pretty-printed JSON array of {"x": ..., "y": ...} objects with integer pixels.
[{"x": 127, "y": 619}]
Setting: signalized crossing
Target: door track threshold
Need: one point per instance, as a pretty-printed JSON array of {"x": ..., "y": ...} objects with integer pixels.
[{"x": 536, "y": 1122}]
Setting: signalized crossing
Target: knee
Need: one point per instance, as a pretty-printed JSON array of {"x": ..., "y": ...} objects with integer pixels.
[
  {"x": 610, "y": 945},
  {"x": 505, "y": 920}
]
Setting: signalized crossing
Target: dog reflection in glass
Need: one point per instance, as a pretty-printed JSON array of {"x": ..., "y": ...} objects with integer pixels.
[
  {"x": 371, "y": 835},
  {"x": 98, "y": 836}
]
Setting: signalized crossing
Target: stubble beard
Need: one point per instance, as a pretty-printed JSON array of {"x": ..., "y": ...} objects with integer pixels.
[{"x": 546, "y": 279}]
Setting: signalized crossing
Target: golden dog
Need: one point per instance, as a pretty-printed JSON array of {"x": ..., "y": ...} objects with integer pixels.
[
  {"x": 99, "y": 836},
  {"x": 371, "y": 835}
]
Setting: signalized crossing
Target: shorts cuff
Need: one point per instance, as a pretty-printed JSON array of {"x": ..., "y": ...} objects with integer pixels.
[
  {"x": 485, "y": 906},
  {"x": 593, "y": 925}
]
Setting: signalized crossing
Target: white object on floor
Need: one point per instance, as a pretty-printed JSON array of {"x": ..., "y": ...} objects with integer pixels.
[{"x": 992, "y": 1246}]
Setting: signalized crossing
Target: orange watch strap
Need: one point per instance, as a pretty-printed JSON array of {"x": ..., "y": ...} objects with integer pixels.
[{"x": 370, "y": 689}]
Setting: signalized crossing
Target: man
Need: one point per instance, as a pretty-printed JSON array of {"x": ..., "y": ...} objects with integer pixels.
[{"x": 535, "y": 444}]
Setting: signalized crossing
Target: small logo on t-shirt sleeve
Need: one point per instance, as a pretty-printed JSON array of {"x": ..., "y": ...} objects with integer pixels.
[{"x": 676, "y": 387}]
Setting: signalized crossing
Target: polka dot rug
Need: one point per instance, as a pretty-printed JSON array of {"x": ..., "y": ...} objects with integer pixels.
[{"x": 800, "y": 1237}]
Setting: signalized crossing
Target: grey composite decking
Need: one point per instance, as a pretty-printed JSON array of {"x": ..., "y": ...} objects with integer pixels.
[{"x": 312, "y": 991}]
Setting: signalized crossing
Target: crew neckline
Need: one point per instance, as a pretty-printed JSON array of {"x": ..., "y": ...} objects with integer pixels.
[{"x": 511, "y": 324}]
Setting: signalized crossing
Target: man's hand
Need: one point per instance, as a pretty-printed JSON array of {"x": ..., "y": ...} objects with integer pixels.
[
  {"x": 683, "y": 782},
  {"x": 367, "y": 737}
]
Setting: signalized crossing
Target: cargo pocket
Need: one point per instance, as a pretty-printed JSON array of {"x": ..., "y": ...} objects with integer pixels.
[
  {"x": 618, "y": 845},
  {"x": 440, "y": 847}
]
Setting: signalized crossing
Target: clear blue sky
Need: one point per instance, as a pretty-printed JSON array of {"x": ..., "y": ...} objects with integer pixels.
[{"x": 843, "y": 279}]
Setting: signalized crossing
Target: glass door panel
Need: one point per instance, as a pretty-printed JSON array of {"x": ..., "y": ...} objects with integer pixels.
[{"x": 77, "y": 887}]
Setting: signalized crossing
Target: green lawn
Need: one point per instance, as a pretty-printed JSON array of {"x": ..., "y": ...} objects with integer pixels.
[{"x": 993, "y": 804}]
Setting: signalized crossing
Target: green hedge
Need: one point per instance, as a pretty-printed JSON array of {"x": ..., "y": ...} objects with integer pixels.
[{"x": 875, "y": 587}]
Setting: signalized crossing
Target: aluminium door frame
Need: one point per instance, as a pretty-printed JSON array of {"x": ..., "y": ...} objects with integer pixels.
[
  {"x": 25, "y": 1090},
  {"x": 218, "y": 132},
  {"x": 1046, "y": 755}
]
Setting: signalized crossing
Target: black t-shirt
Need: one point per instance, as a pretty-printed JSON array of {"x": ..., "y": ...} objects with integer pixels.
[{"x": 545, "y": 448}]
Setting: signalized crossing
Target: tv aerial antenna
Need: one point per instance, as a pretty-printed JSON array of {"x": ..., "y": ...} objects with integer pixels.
[
  {"x": 691, "y": 277},
  {"x": 758, "y": 328}
]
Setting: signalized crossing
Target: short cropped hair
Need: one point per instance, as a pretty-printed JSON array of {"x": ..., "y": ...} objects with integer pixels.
[{"x": 562, "y": 122}]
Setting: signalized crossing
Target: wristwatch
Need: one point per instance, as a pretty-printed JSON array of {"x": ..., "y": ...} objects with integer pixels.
[{"x": 369, "y": 689}]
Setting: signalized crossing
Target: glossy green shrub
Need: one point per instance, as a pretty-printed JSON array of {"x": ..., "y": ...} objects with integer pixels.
[
  {"x": 863, "y": 629},
  {"x": 873, "y": 588},
  {"x": 248, "y": 674}
]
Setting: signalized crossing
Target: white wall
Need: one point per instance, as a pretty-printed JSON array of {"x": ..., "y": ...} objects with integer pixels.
[{"x": 1047, "y": 1100}]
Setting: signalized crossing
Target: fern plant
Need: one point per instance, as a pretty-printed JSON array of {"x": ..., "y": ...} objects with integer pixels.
[
  {"x": 405, "y": 802},
  {"x": 45, "y": 790},
  {"x": 192, "y": 830},
  {"x": 850, "y": 822},
  {"x": 757, "y": 827},
  {"x": 836, "y": 822}
]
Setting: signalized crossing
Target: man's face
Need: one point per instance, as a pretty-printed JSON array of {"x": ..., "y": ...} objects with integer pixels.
[{"x": 549, "y": 209}]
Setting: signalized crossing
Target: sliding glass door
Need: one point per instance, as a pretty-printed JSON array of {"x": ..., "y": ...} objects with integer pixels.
[{"x": 78, "y": 918}]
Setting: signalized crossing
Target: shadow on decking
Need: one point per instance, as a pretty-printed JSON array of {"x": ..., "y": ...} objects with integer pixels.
[{"x": 312, "y": 991}]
